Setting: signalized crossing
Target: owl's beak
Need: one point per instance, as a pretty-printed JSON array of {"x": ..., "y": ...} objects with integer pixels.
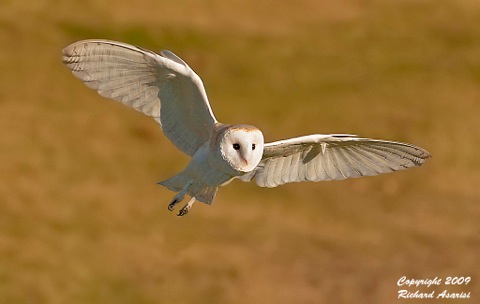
[
  {"x": 243, "y": 156},
  {"x": 244, "y": 160}
]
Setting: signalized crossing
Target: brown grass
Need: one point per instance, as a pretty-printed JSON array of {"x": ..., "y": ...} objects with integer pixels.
[{"x": 82, "y": 221}]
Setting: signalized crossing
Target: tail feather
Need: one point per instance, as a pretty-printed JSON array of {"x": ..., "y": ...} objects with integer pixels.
[
  {"x": 206, "y": 194},
  {"x": 175, "y": 183}
]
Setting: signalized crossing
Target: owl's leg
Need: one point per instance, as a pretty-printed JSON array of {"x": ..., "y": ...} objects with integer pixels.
[
  {"x": 179, "y": 197},
  {"x": 187, "y": 207}
]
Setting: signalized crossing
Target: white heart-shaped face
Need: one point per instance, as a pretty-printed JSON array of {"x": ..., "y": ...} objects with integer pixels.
[{"x": 242, "y": 147}]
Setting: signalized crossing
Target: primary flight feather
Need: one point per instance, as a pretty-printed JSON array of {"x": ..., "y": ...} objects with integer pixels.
[{"x": 167, "y": 89}]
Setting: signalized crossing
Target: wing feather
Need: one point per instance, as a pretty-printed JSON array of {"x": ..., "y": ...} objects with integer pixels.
[
  {"x": 285, "y": 173},
  {"x": 332, "y": 157},
  {"x": 338, "y": 162},
  {"x": 161, "y": 86},
  {"x": 350, "y": 169},
  {"x": 311, "y": 172},
  {"x": 294, "y": 174}
]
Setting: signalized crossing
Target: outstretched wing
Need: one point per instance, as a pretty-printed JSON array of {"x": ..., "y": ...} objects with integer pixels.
[
  {"x": 332, "y": 157},
  {"x": 161, "y": 86}
]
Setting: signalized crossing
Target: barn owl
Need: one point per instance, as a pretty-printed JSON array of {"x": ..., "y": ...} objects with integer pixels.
[{"x": 164, "y": 87}]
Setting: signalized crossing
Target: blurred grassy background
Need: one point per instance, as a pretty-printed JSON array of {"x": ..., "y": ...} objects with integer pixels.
[{"x": 82, "y": 220}]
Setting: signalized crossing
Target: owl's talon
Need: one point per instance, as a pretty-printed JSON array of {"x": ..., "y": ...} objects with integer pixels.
[
  {"x": 177, "y": 199},
  {"x": 183, "y": 211},
  {"x": 187, "y": 207},
  {"x": 172, "y": 205}
]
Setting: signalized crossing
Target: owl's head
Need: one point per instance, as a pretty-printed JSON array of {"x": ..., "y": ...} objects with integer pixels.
[{"x": 242, "y": 147}]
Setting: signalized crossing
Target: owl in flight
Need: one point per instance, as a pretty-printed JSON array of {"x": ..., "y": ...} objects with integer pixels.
[{"x": 167, "y": 89}]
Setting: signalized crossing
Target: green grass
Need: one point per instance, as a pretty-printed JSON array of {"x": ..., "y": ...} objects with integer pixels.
[{"x": 82, "y": 220}]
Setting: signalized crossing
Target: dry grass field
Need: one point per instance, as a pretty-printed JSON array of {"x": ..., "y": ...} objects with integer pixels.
[{"x": 82, "y": 220}]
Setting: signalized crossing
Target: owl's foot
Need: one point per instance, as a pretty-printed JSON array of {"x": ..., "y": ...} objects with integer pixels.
[
  {"x": 177, "y": 199},
  {"x": 187, "y": 207}
]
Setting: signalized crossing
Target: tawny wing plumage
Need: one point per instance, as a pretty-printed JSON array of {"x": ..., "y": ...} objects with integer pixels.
[
  {"x": 332, "y": 157},
  {"x": 161, "y": 86}
]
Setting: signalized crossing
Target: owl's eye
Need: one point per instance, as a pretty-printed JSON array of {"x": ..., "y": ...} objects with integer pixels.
[
  {"x": 236, "y": 146},
  {"x": 253, "y": 147}
]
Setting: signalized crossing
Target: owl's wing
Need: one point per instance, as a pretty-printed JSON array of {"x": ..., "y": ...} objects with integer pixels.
[
  {"x": 161, "y": 86},
  {"x": 332, "y": 157}
]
